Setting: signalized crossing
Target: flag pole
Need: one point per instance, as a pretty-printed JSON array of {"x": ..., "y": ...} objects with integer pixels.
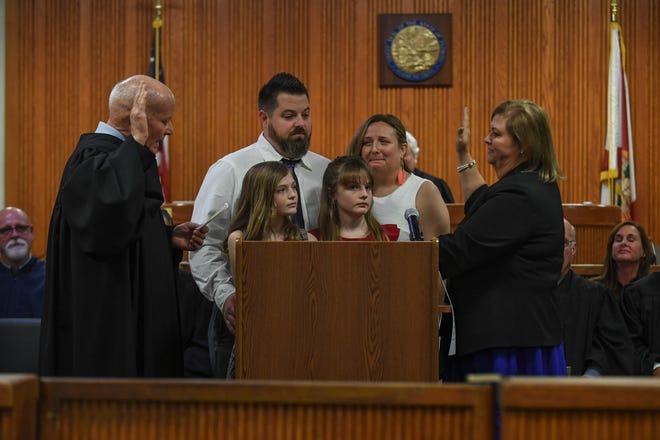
[
  {"x": 157, "y": 24},
  {"x": 611, "y": 182},
  {"x": 162, "y": 153}
]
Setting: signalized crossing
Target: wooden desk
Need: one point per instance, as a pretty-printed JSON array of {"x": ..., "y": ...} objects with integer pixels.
[
  {"x": 212, "y": 409},
  {"x": 18, "y": 406},
  {"x": 593, "y": 224}
]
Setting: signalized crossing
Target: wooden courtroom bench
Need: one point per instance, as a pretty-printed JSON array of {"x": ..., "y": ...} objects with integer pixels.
[
  {"x": 180, "y": 211},
  {"x": 580, "y": 408},
  {"x": 211, "y": 409},
  {"x": 18, "y": 406},
  {"x": 593, "y": 224},
  {"x": 593, "y": 270}
]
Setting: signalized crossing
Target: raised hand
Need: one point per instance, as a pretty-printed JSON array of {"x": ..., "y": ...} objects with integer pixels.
[
  {"x": 139, "y": 126},
  {"x": 463, "y": 139}
]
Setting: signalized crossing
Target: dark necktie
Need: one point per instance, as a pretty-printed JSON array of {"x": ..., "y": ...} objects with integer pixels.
[{"x": 298, "y": 219}]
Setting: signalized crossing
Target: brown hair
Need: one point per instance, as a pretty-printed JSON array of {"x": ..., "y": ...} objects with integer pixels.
[
  {"x": 609, "y": 276},
  {"x": 255, "y": 203},
  {"x": 355, "y": 146},
  {"x": 344, "y": 170}
]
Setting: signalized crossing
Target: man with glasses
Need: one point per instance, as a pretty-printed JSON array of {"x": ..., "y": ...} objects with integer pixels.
[{"x": 21, "y": 274}]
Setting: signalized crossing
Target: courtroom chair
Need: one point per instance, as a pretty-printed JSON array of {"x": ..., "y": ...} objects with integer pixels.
[
  {"x": 19, "y": 345},
  {"x": 656, "y": 251}
]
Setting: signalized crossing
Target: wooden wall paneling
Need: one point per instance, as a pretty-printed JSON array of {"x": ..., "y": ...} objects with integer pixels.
[
  {"x": 217, "y": 54},
  {"x": 195, "y": 57},
  {"x": 20, "y": 112}
]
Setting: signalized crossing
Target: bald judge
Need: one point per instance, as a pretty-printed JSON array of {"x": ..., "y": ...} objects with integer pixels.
[{"x": 110, "y": 306}]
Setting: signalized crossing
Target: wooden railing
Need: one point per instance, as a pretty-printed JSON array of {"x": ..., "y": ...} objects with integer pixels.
[
  {"x": 577, "y": 408},
  {"x": 18, "y": 406},
  {"x": 133, "y": 409},
  {"x": 593, "y": 270},
  {"x": 530, "y": 408}
]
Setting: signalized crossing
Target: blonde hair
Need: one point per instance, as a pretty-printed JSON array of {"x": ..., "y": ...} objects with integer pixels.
[{"x": 529, "y": 125}]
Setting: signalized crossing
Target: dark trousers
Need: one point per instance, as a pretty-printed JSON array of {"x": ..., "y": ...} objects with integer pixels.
[{"x": 221, "y": 342}]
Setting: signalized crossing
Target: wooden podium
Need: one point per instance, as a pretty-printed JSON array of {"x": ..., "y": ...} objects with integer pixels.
[{"x": 365, "y": 311}]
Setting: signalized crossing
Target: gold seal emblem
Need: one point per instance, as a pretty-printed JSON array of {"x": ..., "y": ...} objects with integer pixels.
[{"x": 415, "y": 49}]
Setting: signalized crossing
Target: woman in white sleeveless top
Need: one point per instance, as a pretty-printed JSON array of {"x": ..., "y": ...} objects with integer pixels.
[{"x": 381, "y": 141}]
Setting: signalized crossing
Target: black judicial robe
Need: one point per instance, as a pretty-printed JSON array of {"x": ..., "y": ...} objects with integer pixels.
[
  {"x": 640, "y": 304},
  {"x": 595, "y": 334},
  {"x": 110, "y": 305}
]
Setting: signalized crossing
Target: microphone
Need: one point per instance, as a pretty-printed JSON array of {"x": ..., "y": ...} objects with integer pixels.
[{"x": 412, "y": 216}]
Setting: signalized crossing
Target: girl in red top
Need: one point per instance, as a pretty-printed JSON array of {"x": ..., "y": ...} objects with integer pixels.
[{"x": 346, "y": 201}]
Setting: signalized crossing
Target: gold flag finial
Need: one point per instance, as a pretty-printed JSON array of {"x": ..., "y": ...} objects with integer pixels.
[
  {"x": 158, "y": 19},
  {"x": 614, "y": 10}
]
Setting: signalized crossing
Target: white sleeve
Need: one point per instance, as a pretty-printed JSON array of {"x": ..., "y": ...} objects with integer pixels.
[{"x": 210, "y": 264}]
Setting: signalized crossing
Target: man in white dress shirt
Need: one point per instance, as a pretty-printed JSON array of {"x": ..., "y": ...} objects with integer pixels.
[{"x": 284, "y": 112}]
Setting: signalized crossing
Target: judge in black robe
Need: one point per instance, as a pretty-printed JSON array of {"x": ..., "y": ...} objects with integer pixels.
[
  {"x": 596, "y": 341},
  {"x": 640, "y": 304},
  {"x": 110, "y": 306}
]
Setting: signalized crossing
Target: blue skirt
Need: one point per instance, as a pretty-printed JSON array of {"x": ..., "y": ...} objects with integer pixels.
[{"x": 529, "y": 361}]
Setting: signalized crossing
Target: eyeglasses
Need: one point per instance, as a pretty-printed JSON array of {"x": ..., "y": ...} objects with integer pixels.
[
  {"x": 20, "y": 229},
  {"x": 567, "y": 243}
]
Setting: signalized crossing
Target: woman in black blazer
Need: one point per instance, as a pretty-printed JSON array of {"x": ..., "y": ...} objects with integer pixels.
[{"x": 503, "y": 260}]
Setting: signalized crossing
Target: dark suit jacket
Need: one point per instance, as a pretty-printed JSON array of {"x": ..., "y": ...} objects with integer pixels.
[
  {"x": 445, "y": 191},
  {"x": 503, "y": 263}
]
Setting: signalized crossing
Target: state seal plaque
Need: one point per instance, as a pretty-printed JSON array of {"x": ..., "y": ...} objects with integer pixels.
[{"x": 415, "y": 50}]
